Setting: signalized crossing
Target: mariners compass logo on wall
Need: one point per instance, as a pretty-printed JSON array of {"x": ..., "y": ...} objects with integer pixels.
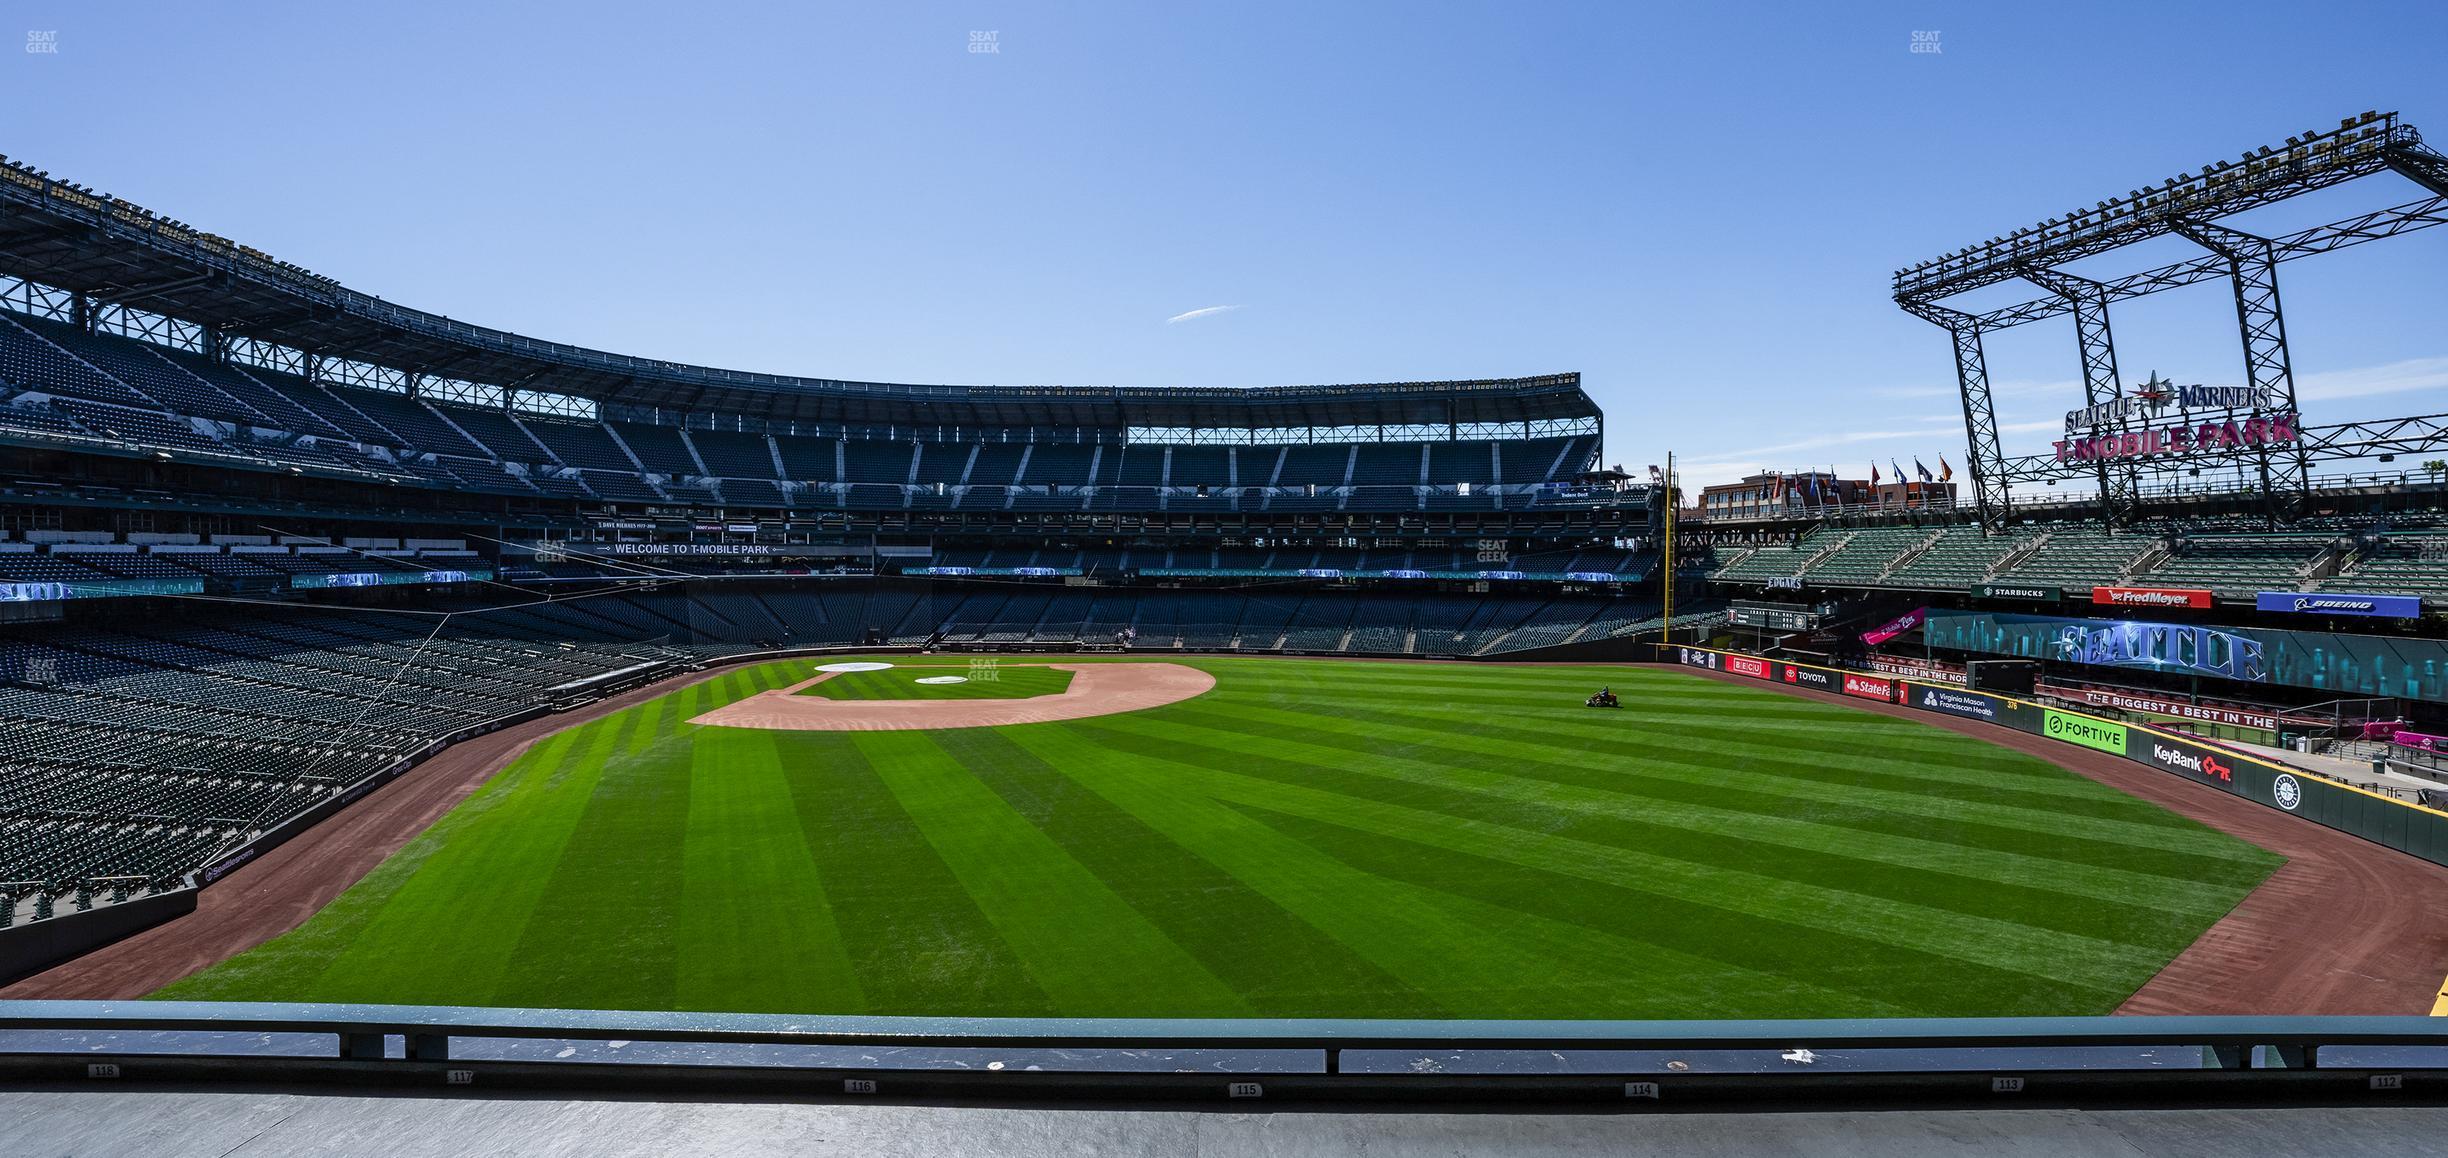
[{"x": 2286, "y": 792}]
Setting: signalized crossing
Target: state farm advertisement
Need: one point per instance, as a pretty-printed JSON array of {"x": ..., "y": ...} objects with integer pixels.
[
  {"x": 2156, "y": 598},
  {"x": 1869, "y": 688},
  {"x": 1747, "y": 666}
]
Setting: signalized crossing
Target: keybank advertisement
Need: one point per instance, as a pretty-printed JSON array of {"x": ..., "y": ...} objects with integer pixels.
[
  {"x": 2084, "y": 730},
  {"x": 2345, "y": 665},
  {"x": 2190, "y": 760}
]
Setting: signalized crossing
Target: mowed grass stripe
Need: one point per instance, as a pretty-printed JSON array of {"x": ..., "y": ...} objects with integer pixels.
[
  {"x": 614, "y": 892},
  {"x": 1592, "y": 805},
  {"x": 1327, "y": 794},
  {"x": 756, "y": 928},
  {"x": 1282, "y": 964},
  {"x": 1465, "y": 954},
  {"x": 917, "y": 942},
  {"x": 1750, "y": 779},
  {"x": 1081, "y": 942},
  {"x": 1925, "y": 982},
  {"x": 512, "y": 830},
  {"x": 1769, "y": 774}
]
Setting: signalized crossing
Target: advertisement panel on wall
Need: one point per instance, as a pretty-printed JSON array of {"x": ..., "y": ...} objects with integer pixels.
[
  {"x": 1917, "y": 670},
  {"x": 1697, "y": 657},
  {"x": 1747, "y": 666},
  {"x": 1816, "y": 679},
  {"x": 2130, "y": 702},
  {"x": 2334, "y": 662},
  {"x": 2192, "y": 761},
  {"x": 1869, "y": 687},
  {"x": 2084, "y": 730},
  {"x": 1957, "y": 702},
  {"x": 2157, "y": 598},
  {"x": 2338, "y": 603},
  {"x": 1895, "y": 627},
  {"x": 2017, "y": 593}
]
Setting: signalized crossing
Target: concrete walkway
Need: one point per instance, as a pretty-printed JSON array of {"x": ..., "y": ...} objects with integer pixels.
[{"x": 272, "y": 1124}]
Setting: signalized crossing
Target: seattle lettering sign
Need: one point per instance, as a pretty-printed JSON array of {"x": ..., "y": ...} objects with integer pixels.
[{"x": 2156, "y": 395}]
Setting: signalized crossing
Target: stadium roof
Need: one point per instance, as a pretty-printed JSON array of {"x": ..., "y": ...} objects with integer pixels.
[{"x": 114, "y": 252}]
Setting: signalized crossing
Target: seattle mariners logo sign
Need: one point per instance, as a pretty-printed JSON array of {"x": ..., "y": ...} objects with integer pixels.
[{"x": 2286, "y": 792}]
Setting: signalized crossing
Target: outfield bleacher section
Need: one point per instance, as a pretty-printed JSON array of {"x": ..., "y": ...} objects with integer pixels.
[{"x": 2332, "y": 553}]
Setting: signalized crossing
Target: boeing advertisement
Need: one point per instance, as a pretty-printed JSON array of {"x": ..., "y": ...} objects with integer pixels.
[{"x": 2339, "y": 603}]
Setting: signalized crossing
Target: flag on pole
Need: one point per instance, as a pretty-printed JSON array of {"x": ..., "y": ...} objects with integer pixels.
[
  {"x": 1924, "y": 471},
  {"x": 1945, "y": 473}
]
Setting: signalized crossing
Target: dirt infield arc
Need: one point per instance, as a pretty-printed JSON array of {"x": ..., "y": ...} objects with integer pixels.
[{"x": 1097, "y": 689}]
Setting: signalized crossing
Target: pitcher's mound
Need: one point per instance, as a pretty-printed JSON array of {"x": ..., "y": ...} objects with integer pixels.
[{"x": 1097, "y": 689}]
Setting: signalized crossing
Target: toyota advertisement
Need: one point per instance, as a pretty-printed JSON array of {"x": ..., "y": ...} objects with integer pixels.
[{"x": 1816, "y": 679}]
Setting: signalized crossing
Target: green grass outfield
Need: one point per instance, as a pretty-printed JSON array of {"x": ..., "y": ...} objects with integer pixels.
[
  {"x": 1007, "y": 681},
  {"x": 1310, "y": 838}
]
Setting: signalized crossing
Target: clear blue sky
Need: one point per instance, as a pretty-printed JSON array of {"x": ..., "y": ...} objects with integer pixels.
[{"x": 1697, "y": 207}]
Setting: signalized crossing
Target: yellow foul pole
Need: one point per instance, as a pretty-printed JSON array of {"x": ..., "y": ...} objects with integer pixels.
[{"x": 1666, "y": 552}]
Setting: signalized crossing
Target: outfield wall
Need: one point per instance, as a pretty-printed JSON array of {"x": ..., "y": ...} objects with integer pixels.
[{"x": 2408, "y": 828}]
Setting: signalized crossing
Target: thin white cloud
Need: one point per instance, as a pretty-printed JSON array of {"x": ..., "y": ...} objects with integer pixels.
[
  {"x": 1194, "y": 315},
  {"x": 2387, "y": 378}
]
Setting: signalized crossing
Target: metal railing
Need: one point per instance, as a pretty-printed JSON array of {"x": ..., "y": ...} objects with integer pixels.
[{"x": 2078, "y": 1058}]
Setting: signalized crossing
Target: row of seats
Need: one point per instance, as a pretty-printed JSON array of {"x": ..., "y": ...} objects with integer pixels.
[
  {"x": 2233, "y": 564},
  {"x": 133, "y": 754},
  {"x": 110, "y": 387}
]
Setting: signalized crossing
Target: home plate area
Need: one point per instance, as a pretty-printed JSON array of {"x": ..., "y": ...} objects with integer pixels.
[{"x": 1096, "y": 689}]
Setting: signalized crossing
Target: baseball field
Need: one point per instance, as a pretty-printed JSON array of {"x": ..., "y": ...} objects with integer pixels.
[{"x": 1305, "y": 838}]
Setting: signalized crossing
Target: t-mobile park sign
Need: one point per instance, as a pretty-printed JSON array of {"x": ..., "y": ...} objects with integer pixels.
[
  {"x": 2150, "y": 399},
  {"x": 2277, "y": 430}
]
